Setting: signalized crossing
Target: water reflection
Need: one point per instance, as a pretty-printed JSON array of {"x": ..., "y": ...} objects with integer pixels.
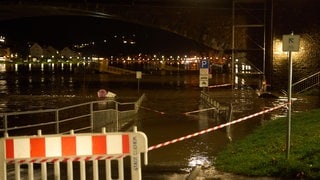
[
  {"x": 2, "y": 68},
  {"x": 3, "y": 86}
]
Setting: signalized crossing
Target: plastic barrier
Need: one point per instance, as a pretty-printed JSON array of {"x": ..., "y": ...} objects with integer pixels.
[{"x": 45, "y": 149}]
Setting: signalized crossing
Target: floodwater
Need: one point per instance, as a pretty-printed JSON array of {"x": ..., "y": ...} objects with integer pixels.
[{"x": 169, "y": 110}]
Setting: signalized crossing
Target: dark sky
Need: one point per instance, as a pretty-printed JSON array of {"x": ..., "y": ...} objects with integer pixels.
[{"x": 62, "y": 31}]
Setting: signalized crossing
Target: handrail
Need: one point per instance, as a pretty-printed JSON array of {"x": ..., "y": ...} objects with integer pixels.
[
  {"x": 304, "y": 79},
  {"x": 28, "y": 112},
  {"x": 306, "y": 83},
  {"x": 60, "y": 116}
]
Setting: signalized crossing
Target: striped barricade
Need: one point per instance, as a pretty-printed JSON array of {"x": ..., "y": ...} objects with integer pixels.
[{"x": 72, "y": 147}]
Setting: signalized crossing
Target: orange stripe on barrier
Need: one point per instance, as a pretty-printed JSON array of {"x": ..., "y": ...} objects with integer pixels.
[
  {"x": 37, "y": 147},
  {"x": 68, "y": 145},
  {"x": 9, "y": 149},
  {"x": 125, "y": 144},
  {"x": 214, "y": 128},
  {"x": 99, "y": 145}
]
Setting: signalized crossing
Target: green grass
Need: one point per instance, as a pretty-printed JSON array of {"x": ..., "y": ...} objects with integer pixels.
[{"x": 263, "y": 153}]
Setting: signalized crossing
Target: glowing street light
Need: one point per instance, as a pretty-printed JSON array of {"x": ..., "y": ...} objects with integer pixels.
[{"x": 2, "y": 39}]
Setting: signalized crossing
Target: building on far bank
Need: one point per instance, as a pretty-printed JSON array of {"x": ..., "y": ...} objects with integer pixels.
[
  {"x": 37, "y": 52},
  {"x": 51, "y": 52},
  {"x": 4, "y": 51},
  {"x": 67, "y": 53}
]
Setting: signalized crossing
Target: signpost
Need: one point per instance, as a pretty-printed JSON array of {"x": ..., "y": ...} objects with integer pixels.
[
  {"x": 138, "y": 76},
  {"x": 204, "y": 73},
  {"x": 290, "y": 43}
]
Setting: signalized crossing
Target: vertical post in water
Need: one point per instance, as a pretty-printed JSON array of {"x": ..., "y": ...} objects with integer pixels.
[{"x": 138, "y": 76}]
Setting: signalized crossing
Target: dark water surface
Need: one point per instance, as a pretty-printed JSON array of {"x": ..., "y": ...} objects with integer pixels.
[{"x": 162, "y": 115}]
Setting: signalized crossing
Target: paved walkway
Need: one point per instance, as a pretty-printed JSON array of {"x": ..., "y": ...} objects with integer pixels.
[{"x": 212, "y": 173}]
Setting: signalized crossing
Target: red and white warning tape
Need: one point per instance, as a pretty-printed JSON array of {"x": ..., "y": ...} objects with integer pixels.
[
  {"x": 65, "y": 159},
  {"x": 214, "y": 128},
  {"x": 200, "y": 110},
  {"x": 149, "y": 109},
  {"x": 220, "y": 85}
]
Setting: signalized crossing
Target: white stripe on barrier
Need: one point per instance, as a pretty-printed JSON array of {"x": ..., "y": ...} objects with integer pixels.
[
  {"x": 80, "y": 148},
  {"x": 22, "y": 152},
  {"x": 114, "y": 145},
  {"x": 54, "y": 144},
  {"x": 214, "y": 128}
]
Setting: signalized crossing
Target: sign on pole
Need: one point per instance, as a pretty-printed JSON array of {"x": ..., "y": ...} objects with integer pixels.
[
  {"x": 204, "y": 64},
  {"x": 138, "y": 74},
  {"x": 290, "y": 42},
  {"x": 204, "y": 73}
]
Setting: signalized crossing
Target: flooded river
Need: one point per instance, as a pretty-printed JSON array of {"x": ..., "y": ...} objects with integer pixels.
[{"x": 162, "y": 116}]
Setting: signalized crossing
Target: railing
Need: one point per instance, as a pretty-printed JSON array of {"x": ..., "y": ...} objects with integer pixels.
[
  {"x": 306, "y": 83},
  {"x": 85, "y": 117}
]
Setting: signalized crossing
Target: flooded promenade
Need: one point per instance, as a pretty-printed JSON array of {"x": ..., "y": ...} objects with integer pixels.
[{"x": 162, "y": 115}]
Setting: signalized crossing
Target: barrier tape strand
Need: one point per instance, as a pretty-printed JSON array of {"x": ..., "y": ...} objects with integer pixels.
[
  {"x": 149, "y": 109},
  {"x": 219, "y": 85},
  {"x": 201, "y": 110}
]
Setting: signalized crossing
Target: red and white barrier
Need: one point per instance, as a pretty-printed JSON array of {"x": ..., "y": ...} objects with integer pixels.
[
  {"x": 214, "y": 128},
  {"x": 74, "y": 147}
]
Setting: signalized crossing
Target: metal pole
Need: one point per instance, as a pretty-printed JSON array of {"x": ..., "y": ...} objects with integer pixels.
[
  {"x": 3, "y": 163},
  {"x": 289, "y": 104},
  {"x": 117, "y": 114},
  {"x": 5, "y": 123},
  {"x": 91, "y": 117},
  {"x": 233, "y": 46},
  {"x": 57, "y": 122},
  {"x": 138, "y": 85}
]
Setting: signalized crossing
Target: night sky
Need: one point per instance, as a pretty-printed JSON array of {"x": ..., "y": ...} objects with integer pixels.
[{"x": 62, "y": 31}]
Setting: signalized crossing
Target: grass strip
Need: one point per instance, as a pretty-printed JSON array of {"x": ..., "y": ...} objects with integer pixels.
[{"x": 263, "y": 153}]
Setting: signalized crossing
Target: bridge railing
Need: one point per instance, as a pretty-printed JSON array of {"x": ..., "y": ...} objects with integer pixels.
[
  {"x": 70, "y": 148},
  {"x": 85, "y": 117}
]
